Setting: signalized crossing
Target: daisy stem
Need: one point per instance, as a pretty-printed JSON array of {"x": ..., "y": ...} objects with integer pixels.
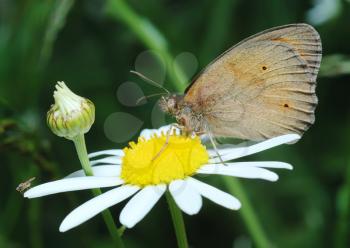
[
  {"x": 247, "y": 212},
  {"x": 79, "y": 142},
  {"x": 178, "y": 222}
]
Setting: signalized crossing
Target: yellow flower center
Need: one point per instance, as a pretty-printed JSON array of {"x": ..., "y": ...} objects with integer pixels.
[{"x": 148, "y": 162}]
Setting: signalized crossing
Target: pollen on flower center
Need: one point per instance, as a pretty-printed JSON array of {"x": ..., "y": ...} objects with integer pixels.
[{"x": 143, "y": 165}]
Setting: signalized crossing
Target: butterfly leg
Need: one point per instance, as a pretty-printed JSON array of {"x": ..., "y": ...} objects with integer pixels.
[
  {"x": 214, "y": 146},
  {"x": 166, "y": 142}
]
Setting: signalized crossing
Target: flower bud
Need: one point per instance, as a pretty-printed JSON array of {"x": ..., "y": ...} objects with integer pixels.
[{"x": 71, "y": 115}]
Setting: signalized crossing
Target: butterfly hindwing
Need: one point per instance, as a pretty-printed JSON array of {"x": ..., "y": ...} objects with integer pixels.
[{"x": 262, "y": 87}]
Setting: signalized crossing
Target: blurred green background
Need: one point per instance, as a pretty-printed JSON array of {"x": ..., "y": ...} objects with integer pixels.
[{"x": 92, "y": 46}]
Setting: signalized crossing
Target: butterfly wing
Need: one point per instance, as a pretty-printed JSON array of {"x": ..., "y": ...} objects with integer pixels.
[{"x": 262, "y": 87}]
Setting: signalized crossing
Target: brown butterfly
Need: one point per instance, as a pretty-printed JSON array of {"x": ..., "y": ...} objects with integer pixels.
[{"x": 260, "y": 88}]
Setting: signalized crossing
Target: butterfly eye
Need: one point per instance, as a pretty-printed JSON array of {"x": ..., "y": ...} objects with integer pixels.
[{"x": 264, "y": 68}]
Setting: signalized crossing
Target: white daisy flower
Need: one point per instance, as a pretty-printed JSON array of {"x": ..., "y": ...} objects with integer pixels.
[{"x": 139, "y": 172}]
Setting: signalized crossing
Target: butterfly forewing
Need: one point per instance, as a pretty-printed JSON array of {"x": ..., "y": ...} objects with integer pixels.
[{"x": 262, "y": 87}]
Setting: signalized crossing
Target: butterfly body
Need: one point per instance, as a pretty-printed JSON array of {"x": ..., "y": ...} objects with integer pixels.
[{"x": 260, "y": 88}]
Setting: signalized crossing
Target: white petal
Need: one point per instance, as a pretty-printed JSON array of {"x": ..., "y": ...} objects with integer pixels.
[
  {"x": 219, "y": 197},
  {"x": 237, "y": 152},
  {"x": 239, "y": 171},
  {"x": 263, "y": 164},
  {"x": 96, "y": 205},
  {"x": 99, "y": 171},
  {"x": 107, "y": 160},
  {"x": 140, "y": 204},
  {"x": 113, "y": 152},
  {"x": 72, "y": 184},
  {"x": 165, "y": 129},
  {"x": 186, "y": 196},
  {"x": 147, "y": 133}
]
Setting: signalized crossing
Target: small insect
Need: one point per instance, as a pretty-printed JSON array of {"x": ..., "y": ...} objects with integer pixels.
[
  {"x": 25, "y": 185},
  {"x": 260, "y": 88}
]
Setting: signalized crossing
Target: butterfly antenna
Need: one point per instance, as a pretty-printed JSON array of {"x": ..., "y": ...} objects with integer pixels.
[
  {"x": 149, "y": 96},
  {"x": 150, "y": 81}
]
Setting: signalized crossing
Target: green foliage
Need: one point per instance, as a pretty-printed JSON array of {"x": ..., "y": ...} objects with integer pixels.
[{"x": 92, "y": 46}]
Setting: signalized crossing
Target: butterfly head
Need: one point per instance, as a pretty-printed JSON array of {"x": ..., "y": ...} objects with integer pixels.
[
  {"x": 174, "y": 105},
  {"x": 171, "y": 104}
]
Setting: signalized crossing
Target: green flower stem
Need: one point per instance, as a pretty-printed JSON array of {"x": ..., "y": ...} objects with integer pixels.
[
  {"x": 56, "y": 22},
  {"x": 79, "y": 142},
  {"x": 341, "y": 237},
  {"x": 178, "y": 222},
  {"x": 247, "y": 212},
  {"x": 149, "y": 35},
  {"x": 36, "y": 239}
]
